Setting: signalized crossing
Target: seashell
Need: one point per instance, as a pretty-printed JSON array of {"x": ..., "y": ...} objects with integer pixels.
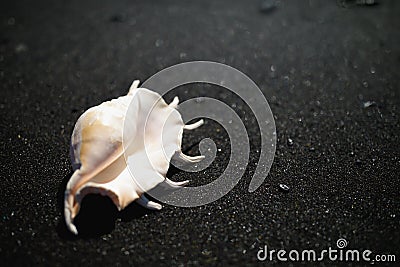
[{"x": 139, "y": 128}]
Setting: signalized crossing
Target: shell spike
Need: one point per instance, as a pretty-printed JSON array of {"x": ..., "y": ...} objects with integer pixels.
[
  {"x": 193, "y": 125},
  {"x": 190, "y": 159},
  {"x": 174, "y": 103},
  {"x": 133, "y": 87},
  {"x": 172, "y": 183},
  {"x": 148, "y": 204},
  {"x": 68, "y": 202}
]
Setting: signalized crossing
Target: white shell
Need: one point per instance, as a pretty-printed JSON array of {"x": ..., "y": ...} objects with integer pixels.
[{"x": 99, "y": 145}]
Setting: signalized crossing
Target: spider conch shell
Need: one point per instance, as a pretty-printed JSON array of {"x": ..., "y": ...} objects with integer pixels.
[{"x": 139, "y": 128}]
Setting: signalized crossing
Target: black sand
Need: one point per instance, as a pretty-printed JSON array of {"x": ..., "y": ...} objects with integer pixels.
[{"x": 334, "y": 92}]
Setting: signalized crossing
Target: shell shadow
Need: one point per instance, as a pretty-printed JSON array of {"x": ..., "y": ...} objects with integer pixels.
[{"x": 97, "y": 215}]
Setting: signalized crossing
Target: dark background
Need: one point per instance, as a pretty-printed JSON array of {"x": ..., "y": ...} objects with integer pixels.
[{"x": 317, "y": 62}]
